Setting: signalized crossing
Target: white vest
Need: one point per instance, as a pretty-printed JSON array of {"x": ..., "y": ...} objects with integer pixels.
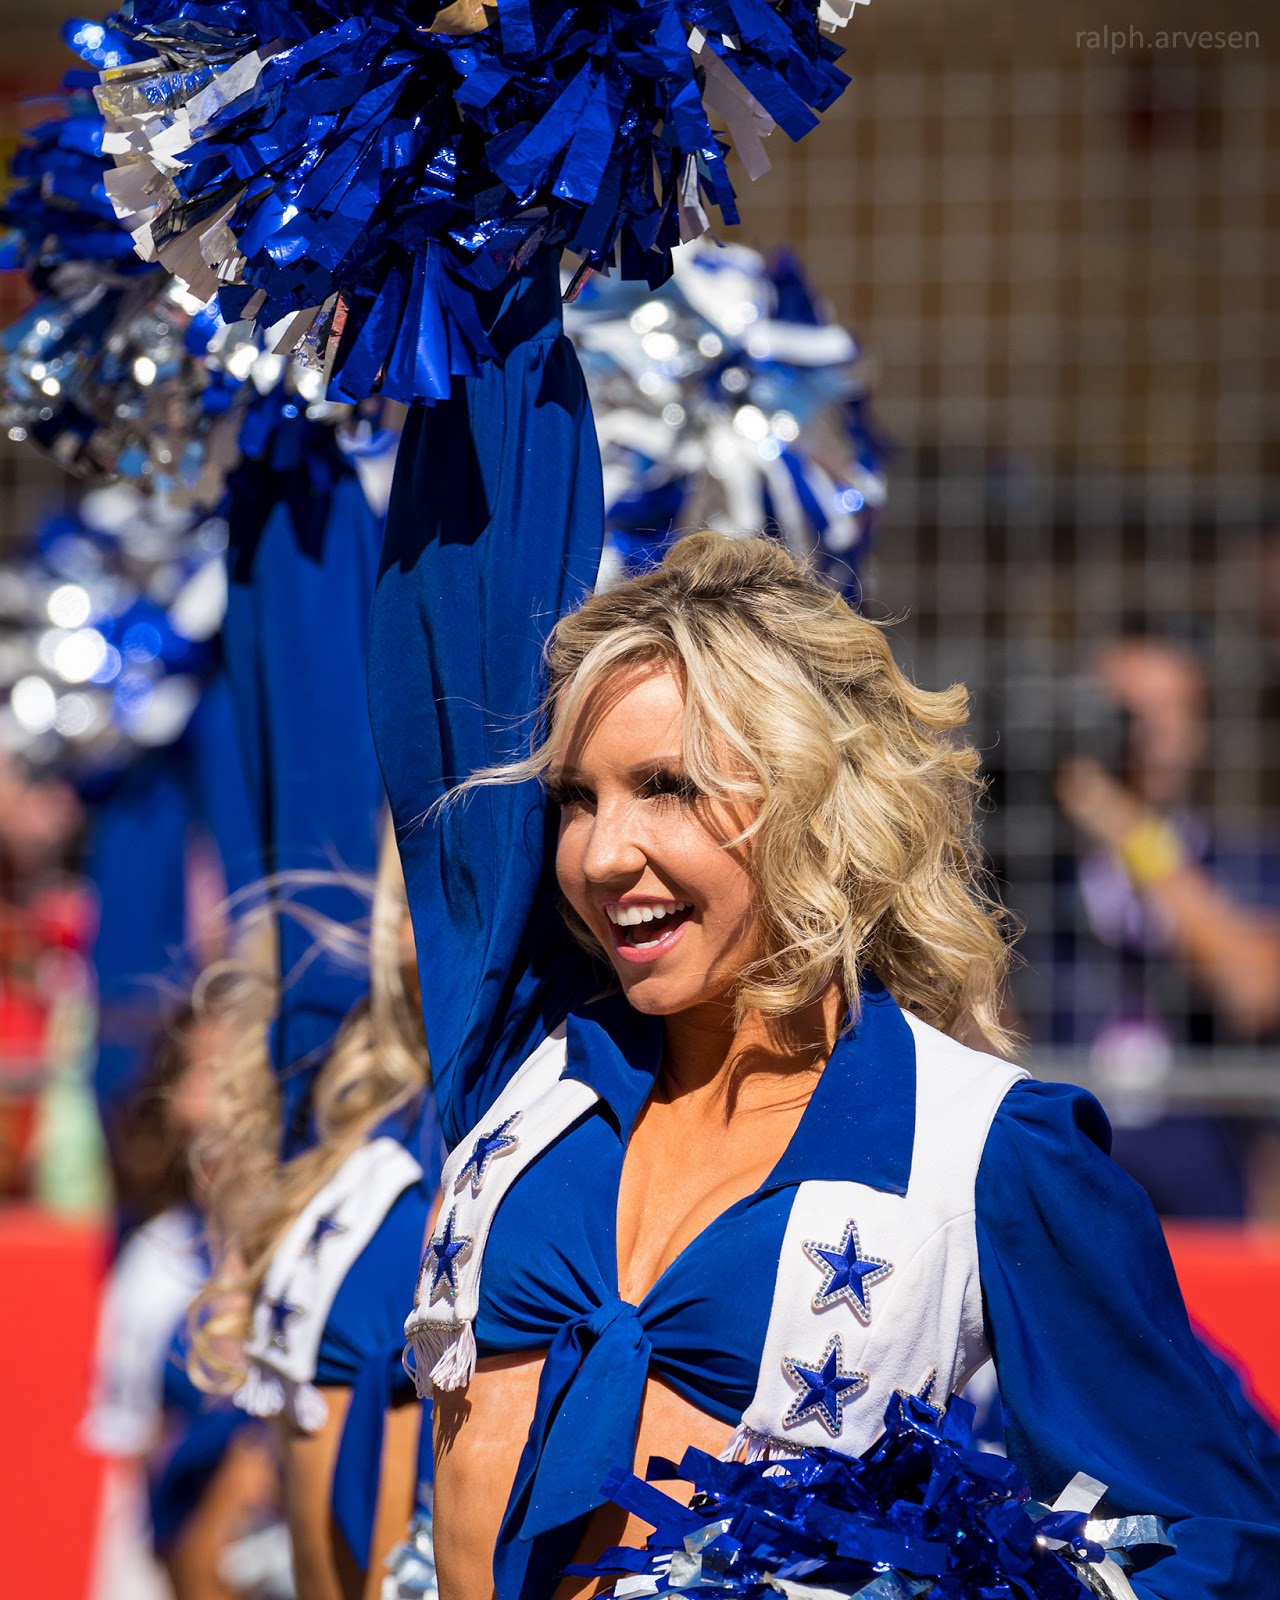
[
  {"x": 321, "y": 1246},
  {"x": 899, "y": 1308}
]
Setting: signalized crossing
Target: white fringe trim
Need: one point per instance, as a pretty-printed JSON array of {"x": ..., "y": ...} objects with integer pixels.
[
  {"x": 308, "y": 1408},
  {"x": 262, "y": 1392},
  {"x": 265, "y": 1393},
  {"x": 439, "y": 1355},
  {"x": 748, "y": 1445}
]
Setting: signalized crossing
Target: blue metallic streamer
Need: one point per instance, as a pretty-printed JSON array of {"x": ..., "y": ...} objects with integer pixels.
[
  {"x": 116, "y": 370},
  {"x": 727, "y": 398},
  {"x": 368, "y": 141},
  {"x": 919, "y": 1513}
]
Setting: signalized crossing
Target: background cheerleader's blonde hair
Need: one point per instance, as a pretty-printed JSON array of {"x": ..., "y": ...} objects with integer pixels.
[
  {"x": 378, "y": 1063},
  {"x": 861, "y": 843}
]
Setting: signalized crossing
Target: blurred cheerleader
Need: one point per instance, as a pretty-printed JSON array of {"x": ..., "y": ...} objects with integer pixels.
[
  {"x": 301, "y": 1319},
  {"x": 207, "y": 1471}
]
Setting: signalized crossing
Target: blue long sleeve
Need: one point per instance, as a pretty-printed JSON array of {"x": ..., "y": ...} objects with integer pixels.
[
  {"x": 221, "y": 793},
  {"x": 136, "y": 861},
  {"x": 493, "y": 532},
  {"x": 304, "y": 549},
  {"x": 1099, "y": 1370}
]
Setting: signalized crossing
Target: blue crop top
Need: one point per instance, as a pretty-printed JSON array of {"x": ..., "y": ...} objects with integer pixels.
[
  {"x": 530, "y": 1297},
  {"x": 494, "y": 532},
  {"x": 363, "y": 1333}
]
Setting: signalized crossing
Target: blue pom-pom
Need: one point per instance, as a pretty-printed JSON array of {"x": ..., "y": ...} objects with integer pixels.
[
  {"x": 116, "y": 370},
  {"x": 120, "y": 605},
  {"x": 729, "y": 399},
  {"x": 361, "y": 173},
  {"x": 919, "y": 1513}
]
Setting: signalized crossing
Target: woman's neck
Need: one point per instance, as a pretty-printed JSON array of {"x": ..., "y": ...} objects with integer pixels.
[{"x": 755, "y": 1063}]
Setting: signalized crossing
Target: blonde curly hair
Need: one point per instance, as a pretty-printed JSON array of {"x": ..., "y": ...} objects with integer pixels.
[
  {"x": 862, "y": 842},
  {"x": 377, "y": 1064}
]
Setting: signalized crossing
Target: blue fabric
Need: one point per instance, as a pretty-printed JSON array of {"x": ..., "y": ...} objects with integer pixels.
[
  {"x": 360, "y": 1350},
  {"x": 199, "y": 1430},
  {"x": 1099, "y": 1370},
  {"x": 493, "y": 532},
  {"x": 179, "y": 1480},
  {"x": 363, "y": 1337},
  {"x": 219, "y": 785},
  {"x": 136, "y": 863},
  {"x": 1258, "y": 1425},
  {"x": 303, "y": 552}
]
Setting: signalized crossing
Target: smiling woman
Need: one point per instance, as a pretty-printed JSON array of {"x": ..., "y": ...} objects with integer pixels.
[
  {"x": 727, "y": 734},
  {"x": 723, "y": 1176}
]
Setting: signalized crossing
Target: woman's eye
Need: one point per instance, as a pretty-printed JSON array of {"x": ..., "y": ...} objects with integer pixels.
[
  {"x": 670, "y": 786},
  {"x": 565, "y": 795}
]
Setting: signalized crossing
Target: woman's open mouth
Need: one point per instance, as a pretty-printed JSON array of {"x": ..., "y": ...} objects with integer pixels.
[{"x": 644, "y": 931}]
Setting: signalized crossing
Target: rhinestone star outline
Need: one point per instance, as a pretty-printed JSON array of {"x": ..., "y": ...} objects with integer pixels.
[
  {"x": 849, "y": 1275},
  {"x": 825, "y": 1388},
  {"x": 327, "y": 1227},
  {"x": 487, "y": 1147},
  {"x": 280, "y": 1314},
  {"x": 445, "y": 1254},
  {"x": 923, "y": 1392}
]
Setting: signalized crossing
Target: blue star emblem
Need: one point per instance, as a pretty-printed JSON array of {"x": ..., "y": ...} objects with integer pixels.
[
  {"x": 486, "y": 1147},
  {"x": 279, "y": 1315},
  {"x": 445, "y": 1254},
  {"x": 825, "y": 1389},
  {"x": 924, "y": 1393},
  {"x": 327, "y": 1227},
  {"x": 849, "y": 1274}
]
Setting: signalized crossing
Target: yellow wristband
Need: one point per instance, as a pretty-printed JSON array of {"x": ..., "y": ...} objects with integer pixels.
[{"x": 1151, "y": 852}]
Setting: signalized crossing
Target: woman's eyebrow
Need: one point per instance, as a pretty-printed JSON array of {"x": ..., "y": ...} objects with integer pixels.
[
  {"x": 641, "y": 770},
  {"x": 645, "y": 769}
]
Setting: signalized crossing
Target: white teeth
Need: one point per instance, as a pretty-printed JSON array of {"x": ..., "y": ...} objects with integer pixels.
[{"x": 632, "y": 916}]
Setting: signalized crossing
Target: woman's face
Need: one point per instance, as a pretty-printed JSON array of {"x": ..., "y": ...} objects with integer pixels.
[
  {"x": 641, "y": 857},
  {"x": 205, "y": 1045}
]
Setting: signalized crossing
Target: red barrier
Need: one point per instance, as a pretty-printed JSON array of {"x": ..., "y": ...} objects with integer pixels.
[
  {"x": 50, "y": 1272},
  {"x": 1230, "y": 1280}
]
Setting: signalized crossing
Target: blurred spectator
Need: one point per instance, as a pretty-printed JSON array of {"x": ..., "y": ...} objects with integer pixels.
[
  {"x": 1170, "y": 933},
  {"x": 38, "y": 816},
  {"x": 44, "y": 928}
]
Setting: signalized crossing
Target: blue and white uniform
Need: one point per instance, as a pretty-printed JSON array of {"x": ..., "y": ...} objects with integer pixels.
[
  {"x": 144, "y": 1407},
  {"x": 934, "y": 1206},
  {"x": 330, "y": 1311}
]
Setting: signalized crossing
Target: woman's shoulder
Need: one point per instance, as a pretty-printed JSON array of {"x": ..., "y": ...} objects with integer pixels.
[
  {"x": 1026, "y": 1133},
  {"x": 1025, "y": 1106},
  {"x": 957, "y": 1086},
  {"x": 1052, "y": 1139}
]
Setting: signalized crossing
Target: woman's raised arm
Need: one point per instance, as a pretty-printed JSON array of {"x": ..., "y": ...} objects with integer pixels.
[{"x": 494, "y": 531}]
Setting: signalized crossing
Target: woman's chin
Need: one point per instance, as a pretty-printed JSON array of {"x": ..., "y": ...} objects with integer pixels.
[{"x": 659, "y": 994}]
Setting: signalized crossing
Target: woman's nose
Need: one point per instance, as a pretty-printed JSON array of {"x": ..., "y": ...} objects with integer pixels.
[{"x": 613, "y": 850}]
